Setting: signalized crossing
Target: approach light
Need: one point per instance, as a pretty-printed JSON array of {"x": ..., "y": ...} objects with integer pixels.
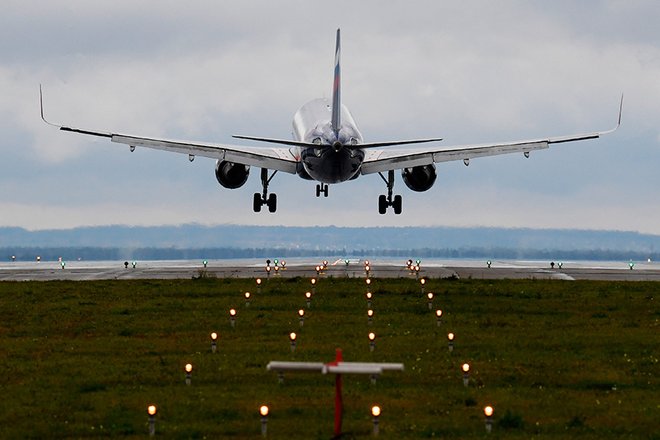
[
  {"x": 188, "y": 369},
  {"x": 488, "y": 263},
  {"x": 372, "y": 341},
  {"x": 375, "y": 413},
  {"x": 466, "y": 374},
  {"x": 438, "y": 313},
  {"x": 301, "y": 313},
  {"x": 247, "y": 296},
  {"x": 214, "y": 336},
  {"x": 368, "y": 281},
  {"x": 277, "y": 269},
  {"x": 370, "y": 313},
  {"x": 313, "y": 281},
  {"x": 325, "y": 263},
  {"x": 450, "y": 341},
  {"x": 422, "y": 281},
  {"x": 232, "y": 317},
  {"x": 429, "y": 296},
  {"x": 466, "y": 368},
  {"x": 205, "y": 263},
  {"x": 214, "y": 341},
  {"x": 308, "y": 295},
  {"x": 488, "y": 412},
  {"x": 450, "y": 336},
  {"x": 292, "y": 338},
  {"x": 258, "y": 281},
  {"x": 268, "y": 270},
  {"x": 372, "y": 336},
  {"x": 283, "y": 264},
  {"x": 369, "y": 295},
  {"x": 151, "y": 410},
  {"x": 346, "y": 262},
  {"x": 263, "y": 411}
]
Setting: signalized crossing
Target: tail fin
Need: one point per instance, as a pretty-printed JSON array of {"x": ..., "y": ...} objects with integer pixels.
[{"x": 336, "y": 91}]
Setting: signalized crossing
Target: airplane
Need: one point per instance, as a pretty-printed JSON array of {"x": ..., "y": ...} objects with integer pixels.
[{"x": 328, "y": 148}]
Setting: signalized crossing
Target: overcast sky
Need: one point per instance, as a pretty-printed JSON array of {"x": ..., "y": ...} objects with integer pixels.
[{"x": 468, "y": 71}]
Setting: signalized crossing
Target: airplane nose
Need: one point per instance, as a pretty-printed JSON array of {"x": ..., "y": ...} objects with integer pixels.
[{"x": 337, "y": 146}]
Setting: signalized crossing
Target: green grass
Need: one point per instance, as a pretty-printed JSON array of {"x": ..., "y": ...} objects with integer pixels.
[{"x": 555, "y": 359}]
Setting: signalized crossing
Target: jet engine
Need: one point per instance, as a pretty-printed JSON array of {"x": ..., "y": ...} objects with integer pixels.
[
  {"x": 231, "y": 175},
  {"x": 419, "y": 178}
]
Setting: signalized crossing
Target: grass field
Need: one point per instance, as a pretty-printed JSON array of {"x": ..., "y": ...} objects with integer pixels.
[{"x": 555, "y": 359}]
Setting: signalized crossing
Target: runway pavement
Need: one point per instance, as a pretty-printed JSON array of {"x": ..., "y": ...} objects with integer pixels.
[{"x": 465, "y": 269}]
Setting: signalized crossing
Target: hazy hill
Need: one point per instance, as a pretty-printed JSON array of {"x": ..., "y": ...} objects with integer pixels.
[{"x": 230, "y": 241}]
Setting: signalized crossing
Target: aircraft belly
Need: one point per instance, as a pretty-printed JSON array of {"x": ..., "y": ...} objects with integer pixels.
[{"x": 331, "y": 166}]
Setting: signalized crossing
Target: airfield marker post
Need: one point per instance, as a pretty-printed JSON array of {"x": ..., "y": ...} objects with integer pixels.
[
  {"x": 337, "y": 367},
  {"x": 488, "y": 412},
  {"x": 232, "y": 317},
  {"x": 263, "y": 410},
  {"x": 151, "y": 410},
  {"x": 214, "y": 340},
  {"x": 466, "y": 374},
  {"x": 375, "y": 413},
  {"x": 292, "y": 338}
]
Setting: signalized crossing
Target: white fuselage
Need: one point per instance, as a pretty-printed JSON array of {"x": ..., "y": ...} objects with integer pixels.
[{"x": 337, "y": 158}]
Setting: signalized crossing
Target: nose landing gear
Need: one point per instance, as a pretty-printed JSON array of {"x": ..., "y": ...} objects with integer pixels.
[{"x": 322, "y": 188}]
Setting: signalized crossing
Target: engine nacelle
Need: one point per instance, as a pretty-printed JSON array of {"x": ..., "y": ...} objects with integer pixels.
[
  {"x": 419, "y": 178},
  {"x": 231, "y": 175}
]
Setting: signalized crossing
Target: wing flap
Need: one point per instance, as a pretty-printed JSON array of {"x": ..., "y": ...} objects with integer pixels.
[{"x": 279, "y": 159}]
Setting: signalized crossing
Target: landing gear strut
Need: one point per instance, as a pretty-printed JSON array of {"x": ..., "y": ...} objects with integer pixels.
[
  {"x": 264, "y": 199},
  {"x": 322, "y": 188},
  {"x": 385, "y": 201}
]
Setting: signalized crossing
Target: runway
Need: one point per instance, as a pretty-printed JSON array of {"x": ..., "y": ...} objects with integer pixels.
[{"x": 380, "y": 268}]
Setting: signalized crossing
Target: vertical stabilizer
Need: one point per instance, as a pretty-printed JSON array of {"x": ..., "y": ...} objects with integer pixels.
[{"x": 336, "y": 91}]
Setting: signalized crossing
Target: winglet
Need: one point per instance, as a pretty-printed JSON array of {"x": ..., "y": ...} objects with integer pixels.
[
  {"x": 41, "y": 105},
  {"x": 618, "y": 122},
  {"x": 336, "y": 90}
]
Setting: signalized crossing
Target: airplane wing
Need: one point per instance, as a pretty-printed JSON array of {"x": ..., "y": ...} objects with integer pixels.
[
  {"x": 280, "y": 159},
  {"x": 381, "y": 160}
]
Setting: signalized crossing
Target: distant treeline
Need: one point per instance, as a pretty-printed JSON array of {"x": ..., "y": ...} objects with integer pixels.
[{"x": 154, "y": 253}]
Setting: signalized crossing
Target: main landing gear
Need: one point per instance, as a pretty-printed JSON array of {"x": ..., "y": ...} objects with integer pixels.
[
  {"x": 385, "y": 201},
  {"x": 263, "y": 198},
  {"x": 322, "y": 188}
]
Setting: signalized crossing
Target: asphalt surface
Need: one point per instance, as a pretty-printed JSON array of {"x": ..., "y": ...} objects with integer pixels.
[{"x": 109, "y": 270}]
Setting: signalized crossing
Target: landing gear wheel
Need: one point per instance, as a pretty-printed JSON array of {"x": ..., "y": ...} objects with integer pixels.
[
  {"x": 322, "y": 188},
  {"x": 257, "y": 202},
  {"x": 272, "y": 203},
  {"x": 396, "y": 204},
  {"x": 382, "y": 204}
]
